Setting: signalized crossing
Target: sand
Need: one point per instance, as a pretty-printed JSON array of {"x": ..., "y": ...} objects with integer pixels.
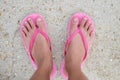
[{"x": 103, "y": 62}]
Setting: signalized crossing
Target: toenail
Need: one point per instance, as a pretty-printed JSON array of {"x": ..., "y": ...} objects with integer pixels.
[
  {"x": 92, "y": 32},
  {"x": 23, "y": 29},
  {"x": 29, "y": 19},
  {"x": 39, "y": 19},
  {"x": 85, "y": 19},
  {"x": 76, "y": 19},
  {"x": 25, "y": 22},
  {"x": 89, "y": 23}
]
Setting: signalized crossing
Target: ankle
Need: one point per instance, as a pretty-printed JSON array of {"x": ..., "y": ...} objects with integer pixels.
[
  {"x": 75, "y": 73},
  {"x": 45, "y": 64},
  {"x": 41, "y": 73},
  {"x": 73, "y": 69}
]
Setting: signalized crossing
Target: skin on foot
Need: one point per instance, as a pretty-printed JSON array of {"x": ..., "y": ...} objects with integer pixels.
[
  {"x": 75, "y": 50},
  {"x": 41, "y": 51}
]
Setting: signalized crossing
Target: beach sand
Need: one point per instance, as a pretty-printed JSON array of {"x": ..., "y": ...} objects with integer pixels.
[{"x": 103, "y": 62}]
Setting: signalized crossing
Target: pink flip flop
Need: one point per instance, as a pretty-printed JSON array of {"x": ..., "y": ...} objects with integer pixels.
[
  {"x": 80, "y": 16},
  {"x": 34, "y": 17}
]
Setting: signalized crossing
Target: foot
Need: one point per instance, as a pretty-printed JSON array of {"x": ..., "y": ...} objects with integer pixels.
[
  {"x": 76, "y": 50},
  {"x": 41, "y": 51}
]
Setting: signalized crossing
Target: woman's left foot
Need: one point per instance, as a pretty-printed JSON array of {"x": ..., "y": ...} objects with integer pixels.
[{"x": 41, "y": 51}]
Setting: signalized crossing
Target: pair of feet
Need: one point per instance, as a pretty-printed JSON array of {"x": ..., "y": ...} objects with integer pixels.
[{"x": 41, "y": 51}]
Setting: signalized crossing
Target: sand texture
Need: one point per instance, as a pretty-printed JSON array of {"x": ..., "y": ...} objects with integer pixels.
[{"x": 103, "y": 62}]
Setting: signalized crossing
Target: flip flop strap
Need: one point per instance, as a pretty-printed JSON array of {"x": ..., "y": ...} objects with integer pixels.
[
  {"x": 37, "y": 31},
  {"x": 78, "y": 31}
]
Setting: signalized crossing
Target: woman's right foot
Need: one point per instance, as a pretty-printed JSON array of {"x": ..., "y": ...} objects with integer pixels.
[{"x": 75, "y": 50}]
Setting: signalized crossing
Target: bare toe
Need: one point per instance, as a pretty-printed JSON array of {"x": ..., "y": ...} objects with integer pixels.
[
  {"x": 25, "y": 31},
  {"x": 83, "y": 22},
  {"x": 32, "y": 25},
  {"x": 90, "y": 29},
  {"x": 40, "y": 24},
  {"x": 92, "y": 34},
  {"x": 27, "y": 26},
  {"x": 74, "y": 24},
  {"x": 87, "y": 25}
]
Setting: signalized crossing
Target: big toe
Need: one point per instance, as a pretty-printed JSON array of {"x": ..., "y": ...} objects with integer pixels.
[
  {"x": 74, "y": 24},
  {"x": 40, "y": 24}
]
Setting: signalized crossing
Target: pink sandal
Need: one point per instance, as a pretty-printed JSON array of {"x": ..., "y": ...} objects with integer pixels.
[
  {"x": 34, "y": 17},
  {"x": 70, "y": 38}
]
